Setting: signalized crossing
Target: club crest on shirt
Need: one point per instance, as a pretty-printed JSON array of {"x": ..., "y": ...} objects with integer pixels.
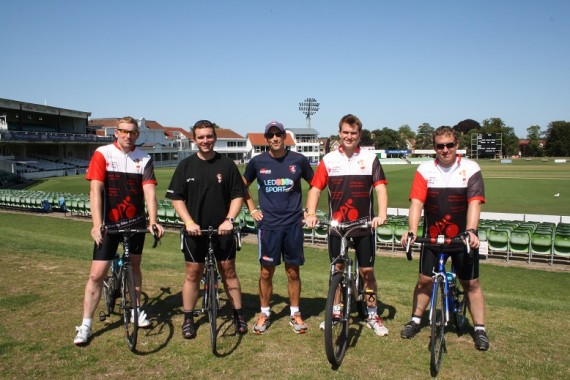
[
  {"x": 292, "y": 169},
  {"x": 219, "y": 177}
]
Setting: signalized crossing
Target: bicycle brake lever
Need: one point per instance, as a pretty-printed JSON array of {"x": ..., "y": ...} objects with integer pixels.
[
  {"x": 155, "y": 234},
  {"x": 408, "y": 248}
]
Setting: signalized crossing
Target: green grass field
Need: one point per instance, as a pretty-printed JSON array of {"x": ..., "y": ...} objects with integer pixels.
[{"x": 44, "y": 262}]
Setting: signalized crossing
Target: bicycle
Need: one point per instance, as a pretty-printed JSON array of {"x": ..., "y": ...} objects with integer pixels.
[
  {"x": 120, "y": 282},
  {"x": 447, "y": 296},
  {"x": 345, "y": 285},
  {"x": 211, "y": 296}
]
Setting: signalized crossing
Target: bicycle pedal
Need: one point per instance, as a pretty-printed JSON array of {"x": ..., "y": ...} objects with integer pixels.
[{"x": 102, "y": 316}]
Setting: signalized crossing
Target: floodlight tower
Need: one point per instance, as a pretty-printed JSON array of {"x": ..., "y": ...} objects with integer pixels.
[{"x": 309, "y": 107}]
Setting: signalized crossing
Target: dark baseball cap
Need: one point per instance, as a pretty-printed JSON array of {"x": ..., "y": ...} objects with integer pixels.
[{"x": 275, "y": 124}]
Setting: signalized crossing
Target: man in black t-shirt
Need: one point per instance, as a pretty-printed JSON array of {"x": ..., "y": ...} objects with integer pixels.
[{"x": 207, "y": 190}]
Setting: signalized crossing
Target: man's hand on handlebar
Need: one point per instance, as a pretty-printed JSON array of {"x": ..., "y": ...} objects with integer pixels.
[
  {"x": 156, "y": 229},
  {"x": 405, "y": 236},
  {"x": 226, "y": 228},
  {"x": 311, "y": 220}
]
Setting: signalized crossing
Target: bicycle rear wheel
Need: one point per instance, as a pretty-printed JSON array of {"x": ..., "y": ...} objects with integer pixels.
[
  {"x": 211, "y": 296},
  {"x": 129, "y": 306},
  {"x": 336, "y": 321},
  {"x": 437, "y": 346}
]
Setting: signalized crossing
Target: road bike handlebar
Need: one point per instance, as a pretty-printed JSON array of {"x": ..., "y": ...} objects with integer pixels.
[
  {"x": 439, "y": 241},
  {"x": 346, "y": 227},
  {"x": 132, "y": 231}
]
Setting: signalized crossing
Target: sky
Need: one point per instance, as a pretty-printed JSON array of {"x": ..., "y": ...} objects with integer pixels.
[{"x": 242, "y": 64}]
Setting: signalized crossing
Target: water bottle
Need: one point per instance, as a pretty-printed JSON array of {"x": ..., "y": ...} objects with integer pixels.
[{"x": 451, "y": 279}]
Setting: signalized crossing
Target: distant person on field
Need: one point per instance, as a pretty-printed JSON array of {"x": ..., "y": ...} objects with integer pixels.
[
  {"x": 279, "y": 217},
  {"x": 450, "y": 191},
  {"x": 121, "y": 182}
]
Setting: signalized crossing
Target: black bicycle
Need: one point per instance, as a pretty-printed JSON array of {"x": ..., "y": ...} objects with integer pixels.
[
  {"x": 120, "y": 282},
  {"x": 447, "y": 296},
  {"x": 345, "y": 285},
  {"x": 210, "y": 295}
]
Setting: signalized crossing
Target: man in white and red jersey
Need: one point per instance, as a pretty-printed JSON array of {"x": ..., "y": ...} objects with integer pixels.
[
  {"x": 121, "y": 182},
  {"x": 450, "y": 191},
  {"x": 351, "y": 175}
]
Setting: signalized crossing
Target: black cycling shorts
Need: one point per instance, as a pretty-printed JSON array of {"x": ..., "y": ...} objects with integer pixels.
[{"x": 108, "y": 248}]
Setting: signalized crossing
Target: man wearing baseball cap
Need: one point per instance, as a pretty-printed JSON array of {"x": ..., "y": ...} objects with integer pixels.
[{"x": 279, "y": 218}]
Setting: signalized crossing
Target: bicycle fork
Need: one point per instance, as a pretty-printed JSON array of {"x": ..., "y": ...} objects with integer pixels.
[{"x": 446, "y": 302}]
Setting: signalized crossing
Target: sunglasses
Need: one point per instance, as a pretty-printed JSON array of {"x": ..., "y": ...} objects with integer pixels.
[
  {"x": 269, "y": 135},
  {"x": 130, "y": 133},
  {"x": 448, "y": 146}
]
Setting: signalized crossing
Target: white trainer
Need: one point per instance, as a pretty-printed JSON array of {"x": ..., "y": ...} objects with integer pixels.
[
  {"x": 377, "y": 325},
  {"x": 83, "y": 334}
]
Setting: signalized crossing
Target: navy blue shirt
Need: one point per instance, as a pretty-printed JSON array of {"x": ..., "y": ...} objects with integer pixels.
[{"x": 279, "y": 187}]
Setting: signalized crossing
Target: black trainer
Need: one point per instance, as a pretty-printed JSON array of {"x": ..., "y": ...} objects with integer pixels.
[
  {"x": 481, "y": 340},
  {"x": 188, "y": 329},
  {"x": 410, "y": 330},
  {"x": 240, "y": 325}
]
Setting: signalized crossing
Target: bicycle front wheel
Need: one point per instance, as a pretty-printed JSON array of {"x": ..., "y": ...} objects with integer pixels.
[
  {"x": 129, "y": 306},
  {"x": 437, "y": 346},
  {"x": 336, "y": 319},
  {"x": 211, "y": 294}
]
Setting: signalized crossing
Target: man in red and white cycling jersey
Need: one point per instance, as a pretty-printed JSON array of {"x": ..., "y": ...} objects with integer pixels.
[
  {"x": 121, "y": 182},
  {"x": 351, "y": 175},
  {"x": 450, "y": 191}
]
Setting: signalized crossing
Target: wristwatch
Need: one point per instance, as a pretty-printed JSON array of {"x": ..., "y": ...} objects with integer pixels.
[{"x": 231, "y": 220}]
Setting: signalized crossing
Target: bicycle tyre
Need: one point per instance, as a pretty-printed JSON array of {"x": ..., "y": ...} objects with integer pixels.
[
  {"x": 129, "y": 306},
  {"x": 437, "y": 343},
  {"x": 211, "y": 294},
  {"x": 361, "y": 302},
  {"x": 460, "y": 318},
  {"x": 336, "y": 329}
]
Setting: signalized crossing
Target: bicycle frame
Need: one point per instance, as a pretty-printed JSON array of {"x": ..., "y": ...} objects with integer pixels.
[
  {"x": 343, "y": 284},
  {"x": 125, "y": 283},
  {"x": 210, "y": 298},
  {"x": 441, "y": 314}
]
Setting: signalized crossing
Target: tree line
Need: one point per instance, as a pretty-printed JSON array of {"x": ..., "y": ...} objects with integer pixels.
[{"x": 553, "y": 142}]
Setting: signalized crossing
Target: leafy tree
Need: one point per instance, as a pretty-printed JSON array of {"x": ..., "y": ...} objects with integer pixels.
[
  {"x": 466, "y": 125},
  {"x": 558, "y": 139},
  {"x": 533, "y": 147},
  {"x": 386, "y": 138},
  {"x": 406, "y": 134},
  {"x": 366, "y": 139},
  {"x": 424, "y": 136}
]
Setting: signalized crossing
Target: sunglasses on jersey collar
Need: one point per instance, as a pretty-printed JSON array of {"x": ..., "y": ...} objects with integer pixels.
[{"x": 448, "y": 145}]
